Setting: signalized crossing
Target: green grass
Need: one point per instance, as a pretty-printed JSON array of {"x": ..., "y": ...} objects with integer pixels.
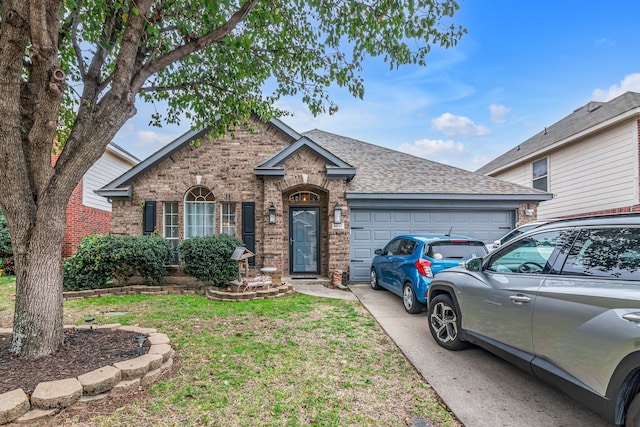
[{"x": 292, "y": 361}]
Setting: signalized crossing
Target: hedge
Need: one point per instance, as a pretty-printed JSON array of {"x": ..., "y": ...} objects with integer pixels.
[
  {"x": 102, "y": 258},
  {"x": 208, "y": 258}
]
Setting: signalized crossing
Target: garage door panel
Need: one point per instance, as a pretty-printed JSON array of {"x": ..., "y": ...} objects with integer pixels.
[
  {"x": 381, "y": 217},
  {"x": 358, "y": 235},
  {"x": 372, "y": 229},
  {"x": 382, "y": 235}
]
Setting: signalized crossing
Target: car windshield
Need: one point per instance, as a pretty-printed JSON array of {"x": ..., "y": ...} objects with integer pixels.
[{"x": 456, "y": 250}]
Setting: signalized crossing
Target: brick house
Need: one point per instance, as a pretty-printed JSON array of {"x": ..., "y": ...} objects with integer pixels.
[
  {"x": 308, "y": 204},
  {"x": 88, "y": 213},
  {"x": 589, "y": 160}
]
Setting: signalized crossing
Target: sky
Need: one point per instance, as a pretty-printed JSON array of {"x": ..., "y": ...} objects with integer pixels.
[{"x": 522, "y": 66}]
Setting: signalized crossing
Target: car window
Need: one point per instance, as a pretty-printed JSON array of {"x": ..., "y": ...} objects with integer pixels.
[
  {"x": 516, "y": 232},
  {"x": 408, "y": 247},
  {"x": 529, "y": 255},
  {"x": 606, "y": 252},
  {"x": 392, "y": 248},
  {"x": 456, "y": 250}
]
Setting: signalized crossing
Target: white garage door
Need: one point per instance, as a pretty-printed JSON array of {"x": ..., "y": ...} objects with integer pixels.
[{"x": 371, "y": 229}]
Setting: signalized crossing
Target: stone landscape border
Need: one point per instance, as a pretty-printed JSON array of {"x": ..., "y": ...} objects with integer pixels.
[
  {"x": 51, "y": 397},
  {"x": 211, "y": 292}
]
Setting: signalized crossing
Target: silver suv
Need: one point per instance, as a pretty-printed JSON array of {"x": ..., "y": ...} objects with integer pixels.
[{"x": 562, "y": 302}]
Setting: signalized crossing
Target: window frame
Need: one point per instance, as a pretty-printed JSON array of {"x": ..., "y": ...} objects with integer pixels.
[
  {"x": 231, "y": 217},
  {"x": 203, "y": 206},
  {"x": 544, "y": 177}
]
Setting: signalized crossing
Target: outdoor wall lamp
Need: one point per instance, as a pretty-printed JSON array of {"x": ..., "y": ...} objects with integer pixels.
[
  {"x": 337, "y": 214},
  {"x": 272, "y": 213}
]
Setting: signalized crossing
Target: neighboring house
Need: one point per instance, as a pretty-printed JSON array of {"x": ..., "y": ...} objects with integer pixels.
[
  {"x": 87, "y": 212},
  {"x": 308, "y": 204},
  {"x": 589, "y": 160}
]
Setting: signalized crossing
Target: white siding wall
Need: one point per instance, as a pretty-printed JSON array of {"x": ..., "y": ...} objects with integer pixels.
[
  {"x": 105, "y": 170},
  {"x": 600, "y": 172}
]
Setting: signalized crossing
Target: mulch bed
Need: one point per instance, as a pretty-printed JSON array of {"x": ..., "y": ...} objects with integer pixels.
[{"x": 83, "y": 351}]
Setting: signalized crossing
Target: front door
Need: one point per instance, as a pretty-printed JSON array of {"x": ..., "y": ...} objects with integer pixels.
[{"x": 304, "y": 240}]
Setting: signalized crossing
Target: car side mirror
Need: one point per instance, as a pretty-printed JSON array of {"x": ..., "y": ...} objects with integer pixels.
[
  {"x": 474, "y": 264},
  {"x": 378, "y": 252}
]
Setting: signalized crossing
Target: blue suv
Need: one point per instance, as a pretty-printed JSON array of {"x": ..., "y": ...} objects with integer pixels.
[{"x": 408, "y": 262}]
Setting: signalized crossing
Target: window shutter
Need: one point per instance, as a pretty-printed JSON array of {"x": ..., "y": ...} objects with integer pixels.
[
  {"x": 149, "y": 217},
  {"x": 249, "y": 228}
]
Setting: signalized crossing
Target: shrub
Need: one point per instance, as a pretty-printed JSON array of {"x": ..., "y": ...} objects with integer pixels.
[
  {"x": 207, "y": 258},
  {"x": 102, "y": 258}
]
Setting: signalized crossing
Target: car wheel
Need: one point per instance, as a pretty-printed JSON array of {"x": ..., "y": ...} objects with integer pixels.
[
  {"x": 632, "y": 417},
  {"x": 444, "y": 323},
  {"x": 411, "y": 303},
  {"x": 374, "y": 280}
]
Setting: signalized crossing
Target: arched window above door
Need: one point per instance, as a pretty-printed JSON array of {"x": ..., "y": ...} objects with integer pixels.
[{"x": 304, "y": 197}]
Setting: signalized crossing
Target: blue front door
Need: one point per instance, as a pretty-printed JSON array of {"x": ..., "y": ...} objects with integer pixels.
[{"x": 304, "y": 241}]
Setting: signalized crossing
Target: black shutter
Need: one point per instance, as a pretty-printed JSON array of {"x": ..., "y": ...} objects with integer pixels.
[
  {"x": 249, "y": 228},
  {"x": 149, "y": 217}
]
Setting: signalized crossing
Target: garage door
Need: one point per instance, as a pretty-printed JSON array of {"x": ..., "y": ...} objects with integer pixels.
[{"x": 372, "y": 229}]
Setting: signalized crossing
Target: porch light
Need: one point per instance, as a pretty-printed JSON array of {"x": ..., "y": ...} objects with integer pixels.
[
  {"x": 337, "y": 214},
  {"x": 272, "y": 213}
]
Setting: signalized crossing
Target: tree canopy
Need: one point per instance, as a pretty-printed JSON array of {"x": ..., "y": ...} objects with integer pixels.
[{"x": 73, "y": 70}]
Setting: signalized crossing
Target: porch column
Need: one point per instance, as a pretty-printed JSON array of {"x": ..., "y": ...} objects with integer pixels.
[
  {"x": 339, "y": 233},
  {"x": 274, "y": 234}
]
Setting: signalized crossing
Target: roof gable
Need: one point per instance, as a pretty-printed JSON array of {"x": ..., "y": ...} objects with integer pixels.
[
  {"x": 274, "y": 166},
  {"x": 121, "y": 187},
  {"x": 582, "y": 119}
]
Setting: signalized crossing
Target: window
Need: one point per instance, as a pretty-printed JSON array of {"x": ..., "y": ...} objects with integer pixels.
[
  {"x": 541, "y": 174},
  {"x": 199, "y": 213},
  {"x": 456, "y": 250},
  {"x": 170, "y": 227},
  {"x": 228, "y": 219},
  {"x": 304, "y": 197},
  {"x": 170, "y": 220},
  {"x": 529, "y": 255},
  {"x": 393, "y": 248},
  {"x": 408, "y": 247},
  {"x": 609, "y": 252}
]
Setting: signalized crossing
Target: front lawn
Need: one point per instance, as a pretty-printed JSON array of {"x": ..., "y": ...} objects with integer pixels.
[{"x": 292, "y": 361}]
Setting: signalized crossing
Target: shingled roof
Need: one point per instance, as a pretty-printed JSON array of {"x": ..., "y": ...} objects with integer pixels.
[
  {"x": 586, "y": 117},
  {"x": 383, "y": 171}
]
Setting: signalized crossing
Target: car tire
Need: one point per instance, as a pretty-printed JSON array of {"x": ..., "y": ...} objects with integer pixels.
[
  {"x": 374, "y": 280},
  {"x": 632, "y": 417},
  {"x": 409, "y": 300},
  {"x": 444, "y": 323}
]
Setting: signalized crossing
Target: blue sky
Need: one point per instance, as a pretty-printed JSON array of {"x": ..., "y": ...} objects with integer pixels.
[{"x": 522, "y": 66}]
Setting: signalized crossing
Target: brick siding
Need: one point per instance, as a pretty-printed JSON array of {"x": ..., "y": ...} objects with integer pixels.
[
  {"x": 82, "y": 221},
  {"x": 226, "y": 167}
]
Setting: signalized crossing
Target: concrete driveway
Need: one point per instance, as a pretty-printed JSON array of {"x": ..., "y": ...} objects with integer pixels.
[{"x": 481, "y": 389}]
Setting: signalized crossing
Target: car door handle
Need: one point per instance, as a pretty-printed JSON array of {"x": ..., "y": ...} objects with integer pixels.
[
  {"x": 519, "y": 299},
  {"x": 633, "y": 317}
]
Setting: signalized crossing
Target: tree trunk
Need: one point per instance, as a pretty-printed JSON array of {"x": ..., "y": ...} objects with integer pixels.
[{"x": 38, "y": 318}]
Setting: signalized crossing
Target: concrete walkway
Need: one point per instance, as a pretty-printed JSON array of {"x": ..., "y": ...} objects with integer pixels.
[{"x": 323, "y": 291}]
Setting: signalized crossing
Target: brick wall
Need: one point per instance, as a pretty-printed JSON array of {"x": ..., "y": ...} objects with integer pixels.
[
  {"x": 226, "y": 167},
  {"x": 82, "y": 221}
]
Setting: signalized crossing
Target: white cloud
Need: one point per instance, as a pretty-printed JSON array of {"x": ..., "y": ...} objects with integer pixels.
[
  {"x": 499, "y": 113},
  {"x": 448, "y": 152},
  {"x": 427, "y": 148},
  {"x": 452, "y": 125},
  {"x": 631, "y": 83}
]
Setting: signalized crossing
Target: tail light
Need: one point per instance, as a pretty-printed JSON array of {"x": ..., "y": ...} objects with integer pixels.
[{"x": 424, "y": 267}]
